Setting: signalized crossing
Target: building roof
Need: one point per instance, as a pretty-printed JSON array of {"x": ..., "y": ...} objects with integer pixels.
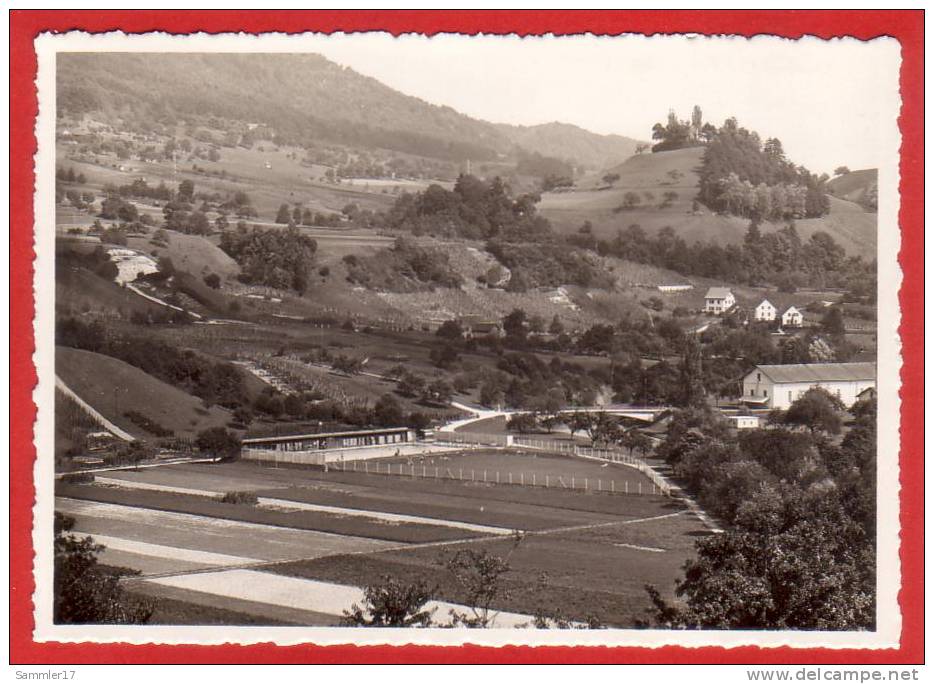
[
  {"x": 765, "y": 301},
  {"x": 315, "y": 435},
  {"x": 818, "y": 372},
  {"x": 791, "y": 309},
  {"x": 718, "y": 293}
]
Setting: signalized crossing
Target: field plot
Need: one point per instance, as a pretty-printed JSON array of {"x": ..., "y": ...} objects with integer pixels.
[{"x": 206, "y": 562}]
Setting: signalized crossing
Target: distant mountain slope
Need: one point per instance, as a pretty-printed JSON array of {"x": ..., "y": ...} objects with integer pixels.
[
  {"x": 676, "y": 172},
  {"x": 305, "y": 97},
  {"x": 566, "y": 141}
]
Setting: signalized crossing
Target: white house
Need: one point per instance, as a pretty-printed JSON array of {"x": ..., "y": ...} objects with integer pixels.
[
  {"x": 766, "y": 311},
  {"x": 744, "y": 422},
  {"x": 718, "y": 300},
  {"x": 778, "y": 386},
  {"x": 792, "y": 318}
]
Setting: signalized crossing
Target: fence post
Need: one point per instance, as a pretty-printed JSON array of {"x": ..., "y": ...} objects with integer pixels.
[
  {"x": 472, "y": 473},
  {"x": 484, "y": 475},
  {"x": 510, "y": 477},
  {"x": 627, "y": 486},
  {"x": 613, "y": 486},
  {"x": 522, "y": 479},
  {"x": 460, "y": 474},
  {"x": 599, "y": 485},
  {"x": 640, "y": 487},
  {"x": 572, "y": 482},
  {"x": 497, "y": 477},
  {"x": 366, "y": 467},
  {"x": 437, "y": 471},
  {"x": 547, "y": 480},
  {"x": 533, "y": 480}
]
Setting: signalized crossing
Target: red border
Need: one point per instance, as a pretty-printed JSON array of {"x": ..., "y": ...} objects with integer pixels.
[{"x": 905, "y": 25}]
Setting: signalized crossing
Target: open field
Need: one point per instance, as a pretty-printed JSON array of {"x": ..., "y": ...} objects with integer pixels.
[
  {"x": 115, "y": 388},
  {"x": 298, "y": 567},
  {"x": 600, "y": 572}
]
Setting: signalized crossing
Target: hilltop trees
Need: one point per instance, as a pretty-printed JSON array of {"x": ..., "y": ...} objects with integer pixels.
[{"x": 742, "y": 176}]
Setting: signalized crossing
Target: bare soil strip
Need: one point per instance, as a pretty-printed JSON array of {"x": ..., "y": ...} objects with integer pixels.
[{"x": 301, "y": 594}]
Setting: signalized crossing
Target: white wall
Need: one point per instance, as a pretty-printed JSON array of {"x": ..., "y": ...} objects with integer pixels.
[{"x": 784, "y": 394}]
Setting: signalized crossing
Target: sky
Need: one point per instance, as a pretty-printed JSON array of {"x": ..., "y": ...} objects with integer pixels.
[{"x": 831, "y": 103}]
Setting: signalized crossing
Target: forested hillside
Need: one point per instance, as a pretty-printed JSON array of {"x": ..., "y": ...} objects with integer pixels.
[{"x": 303, "y": 98}]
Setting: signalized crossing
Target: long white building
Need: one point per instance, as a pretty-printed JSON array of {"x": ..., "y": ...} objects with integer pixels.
[{"x": 778, "y": 386}]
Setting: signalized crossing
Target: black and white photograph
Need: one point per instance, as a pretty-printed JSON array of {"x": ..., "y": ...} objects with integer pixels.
[{"x": 493, "y": 339}]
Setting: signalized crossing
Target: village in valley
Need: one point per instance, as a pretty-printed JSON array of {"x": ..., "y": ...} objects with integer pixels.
[{"x": 319, "y": 367}]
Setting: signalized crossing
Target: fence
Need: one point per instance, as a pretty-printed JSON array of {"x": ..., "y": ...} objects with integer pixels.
[
  {"x": 501, "y": 477},
  {"x": 474, "y": 438},
  {"x": 611, "y": 455}
]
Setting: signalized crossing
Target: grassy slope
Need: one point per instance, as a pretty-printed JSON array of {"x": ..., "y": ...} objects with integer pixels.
[
  {"x": 81, "y": 290},
  {"x": 853, "y": 228},
  {"x": 192, "y": 253},
  {"x": 851, "y": 185},
  {"x": 96, "y": 378}
]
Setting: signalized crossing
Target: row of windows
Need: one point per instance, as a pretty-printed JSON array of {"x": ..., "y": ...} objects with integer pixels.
[{"x": 345, "y": 442}]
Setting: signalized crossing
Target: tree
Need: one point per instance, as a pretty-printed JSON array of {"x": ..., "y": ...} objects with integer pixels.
[
  {"x": 83, "y": 593},
  {"x": 841, "y": 171},
  {"x": 522, "y": 422},
  {"x": 832, "y": 322},
  {"x": 186, "y": 191},
  {"x": 219, "y": 442},
  {"x": 392, "y": 604},
  {"x": 794, "y": 560},
  {"x": 450, "y": 330},
  {"x": 480, "y": 576},
  {"x": 283, "y": 216},
  {"x": 387, "y": 412},
  {"x": 212, "y": 280},
  {"x": 514, "y": 324},
  {"x": 556, "y": 328},
  {"x": 410, "y": 385},
  {"x": 579, "y": 421},
  {"x": 438, "y": 392},
  {"x": 817, "y": 410}
]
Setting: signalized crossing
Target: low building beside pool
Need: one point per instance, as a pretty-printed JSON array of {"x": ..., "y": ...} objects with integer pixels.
[{"x": 318, "y": 448}]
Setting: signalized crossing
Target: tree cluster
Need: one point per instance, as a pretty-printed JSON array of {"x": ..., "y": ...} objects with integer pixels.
[
  {"x": 474, "y": 209},
  {"x": 742, "y": 176},
  {"x": 798, "y": 551},
  {"x": 274, "y": 257},
  {"x": 405, "y": 267}
]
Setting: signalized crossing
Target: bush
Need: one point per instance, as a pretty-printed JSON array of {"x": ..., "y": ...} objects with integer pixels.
[
  {"x": 78, "y": 478},
  {"x": 242, "y": 498}
]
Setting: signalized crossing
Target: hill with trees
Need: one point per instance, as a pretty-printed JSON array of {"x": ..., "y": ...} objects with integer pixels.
[{"x": 300, "y": 99}]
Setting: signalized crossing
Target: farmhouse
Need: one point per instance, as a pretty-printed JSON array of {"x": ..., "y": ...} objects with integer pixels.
[
  {"x": 792, "y": 318},
  {"x": 718, "y": 300},
  {"x": 766, "y": 311},
  {"x": 777, "y": 386}
]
